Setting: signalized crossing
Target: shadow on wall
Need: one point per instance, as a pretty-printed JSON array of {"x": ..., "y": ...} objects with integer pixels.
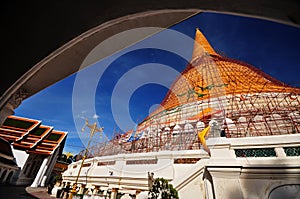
[
  {"x": 207, "y": 176},
  {"x": 234, "y": 194}
]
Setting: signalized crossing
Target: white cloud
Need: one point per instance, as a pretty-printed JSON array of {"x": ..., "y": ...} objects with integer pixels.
[{"x": 95, "y": 116}]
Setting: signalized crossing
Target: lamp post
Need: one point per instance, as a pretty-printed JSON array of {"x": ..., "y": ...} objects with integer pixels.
[{"x": 93, "y": 129}]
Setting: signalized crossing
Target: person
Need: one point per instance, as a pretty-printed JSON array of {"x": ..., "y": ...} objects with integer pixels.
[
  {"x": 150, "y": 180},
  {"x": 223, "y": 133}
]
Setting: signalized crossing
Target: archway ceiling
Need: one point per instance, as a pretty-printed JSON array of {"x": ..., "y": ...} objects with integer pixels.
[{"x": 40, "y": 37}]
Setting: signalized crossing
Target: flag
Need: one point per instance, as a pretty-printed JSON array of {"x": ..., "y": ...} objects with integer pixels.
[
  {"x": 131, "y": 138},
  {"x": 201, "y": 135}
]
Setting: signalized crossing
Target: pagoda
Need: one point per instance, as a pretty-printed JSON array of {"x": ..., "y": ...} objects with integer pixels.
[
  {"x": 224, "y": 130},
  {"x": 232, "y": 97}
]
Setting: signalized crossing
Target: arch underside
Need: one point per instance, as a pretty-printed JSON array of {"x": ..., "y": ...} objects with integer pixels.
[{"x": 48, "y": 51}]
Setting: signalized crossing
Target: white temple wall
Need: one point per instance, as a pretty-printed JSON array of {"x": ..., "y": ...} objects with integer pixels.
[
  {"x": 252, "y": 177},
  {"x": 130, "y": 170},
  {"x": 228, "y": 173},
  {"x": 194, "y": 189},
  {"x": 226, "y": 185}
]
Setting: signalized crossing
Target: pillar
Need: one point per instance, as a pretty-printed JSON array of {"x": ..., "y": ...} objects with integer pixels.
[
  {"x": 7, "y": 110},
  {"x": 50, "y": 166},
  {"x": 40, "y": 173},
  {"x": 226, "y": 182},
  {"x": 96, "y": 190},
  {"x": 11, "y": 105},
  {"x": 81, "y": 190},
  {"x": 114, "y": 193}
]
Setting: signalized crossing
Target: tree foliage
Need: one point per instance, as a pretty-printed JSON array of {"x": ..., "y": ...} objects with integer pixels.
[
  {"x": 162, "y": 189},
  {"x": 67, "y": 157}
]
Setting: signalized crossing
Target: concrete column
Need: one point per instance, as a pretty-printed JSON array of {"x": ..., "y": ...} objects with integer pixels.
[
  {"x": 50, "y": 166},
  {"x": 81, "y": 190},
  {"x": 226, "y": 182},
  {"x": 280, "y": 152},
  {"x": 96, "y": 190},
  {"x": 209, "y": 189},
  {"x": 40, "y": 173},
  {"x": 114, "y": 193},
  {"x": 11, "y": 105}
]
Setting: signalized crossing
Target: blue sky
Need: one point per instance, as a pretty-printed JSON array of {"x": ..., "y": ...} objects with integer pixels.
[{"x": 269, "y": 46}]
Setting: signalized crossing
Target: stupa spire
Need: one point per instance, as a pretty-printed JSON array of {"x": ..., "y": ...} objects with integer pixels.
[
  {"x": 201, "y": 45},
  {"x": 215, "y": 77}
]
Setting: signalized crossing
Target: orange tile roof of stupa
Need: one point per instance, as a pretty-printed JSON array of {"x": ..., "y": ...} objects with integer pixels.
[{"x": 211, "y": 75}]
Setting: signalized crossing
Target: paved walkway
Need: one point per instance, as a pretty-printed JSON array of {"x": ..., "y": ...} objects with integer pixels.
[
  {"x": 39, "y": 192},
  {"x": 21, "y": 192}
]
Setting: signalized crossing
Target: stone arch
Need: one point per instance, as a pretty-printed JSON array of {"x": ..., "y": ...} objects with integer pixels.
[
  {"x": 275, "y": 123},
  {"x": 188, "y": 128},
  {"x": 9, "y": 177},
  {"x": 170, "y": 13},
  {"x": 295, "y": 116},
  {"x": 231, "y": 127},
  {"x": 3, "y": 175},
  {"x": 166, "y": 137},
  {"x": 147, "y": 132},
  {"x": 176, "y": 130},
  {"x": 188, "y": 136},
  {"x": 242, "y": 126},
  {"x": 258, "y": 126},
  {"x": 176, "y": 137},
  {"x": 166, "y": 129},
  {"x": 295, "y": 119},
  {"x": 258, "y": 118}
]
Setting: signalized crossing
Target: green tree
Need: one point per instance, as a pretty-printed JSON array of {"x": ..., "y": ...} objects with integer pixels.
[
  {"x": 67, "y": 157},
  {"x": 162, "y": 188}
]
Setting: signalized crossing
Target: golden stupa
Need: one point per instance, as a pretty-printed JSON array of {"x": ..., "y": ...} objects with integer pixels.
[{"x": 234, "y": 98}]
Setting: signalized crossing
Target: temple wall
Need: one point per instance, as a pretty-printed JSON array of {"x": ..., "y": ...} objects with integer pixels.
[
  {"x": 131, "y": 170},
  {"x": 273, "y": 162},
  {"x": 248, "y": 167},
  {"x": 265, "y": 165},
  {"x": 194, "y": 188}
]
